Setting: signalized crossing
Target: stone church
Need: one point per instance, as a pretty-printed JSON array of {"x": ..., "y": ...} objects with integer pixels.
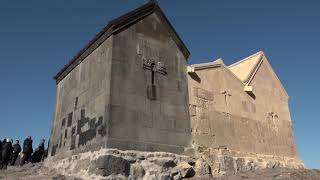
[{"x": 131, "y": 88}]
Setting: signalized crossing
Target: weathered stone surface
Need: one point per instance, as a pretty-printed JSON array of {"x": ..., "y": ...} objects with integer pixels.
[
  {"x": 103, "y": 99},
  {"x": 247, "y": 124},
  {"x": 165, "y": 177},
  {"x": 165, "y": 162},
  {"x": 40, "y": 172},
  {"x": 202, "y": 168},
  {"x": 136, "y": 171},
  {"x": 242, "y": 165},
  {"x": 108, "y": 164},
  {"x": 185, "y": 169},
  {"x": 229, "y": 164}
]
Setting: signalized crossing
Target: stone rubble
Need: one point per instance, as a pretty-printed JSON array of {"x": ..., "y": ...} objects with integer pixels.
[{"x": 117, "y": 164}]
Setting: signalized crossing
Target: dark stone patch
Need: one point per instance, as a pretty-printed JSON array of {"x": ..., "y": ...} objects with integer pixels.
[
  {"x": 73, "y": 142},
  {"x": 83, "y": 113},
  {"x": 60, "y": 141},
  {"x": 152, "y": 92},
  {"x": 70, "y": 119},
  {"x": 90, "y": 134},
  {"x": 66, "y": 133},
  {"x": 73, "y": 131},
  {"x": 165, "y": 163},
  {"x": 108, "y": 164},
  {"x": 73, "y": 138},
  {"x": 102, "y": 131},
  {"x": 63, "y": 123},
  {"x": 54, "y": 149},
  {"x": 76, "y": 104}
]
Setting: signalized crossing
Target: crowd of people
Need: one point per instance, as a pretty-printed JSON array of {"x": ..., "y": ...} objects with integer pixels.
[{"x": 9, "y": 152}]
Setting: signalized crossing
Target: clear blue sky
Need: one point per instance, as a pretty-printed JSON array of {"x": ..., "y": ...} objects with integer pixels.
[{"x": 38, "y": 37}]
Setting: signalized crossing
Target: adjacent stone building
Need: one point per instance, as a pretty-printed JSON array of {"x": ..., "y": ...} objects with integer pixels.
[
  {"x": 126, "y": 89},
  {"x": 130, "y": 88},
  {"x": 241, "y": 109}
]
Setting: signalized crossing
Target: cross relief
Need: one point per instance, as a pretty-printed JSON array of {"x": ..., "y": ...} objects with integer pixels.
[
  {"x": 155, "y": 67},
  {"x": 273, "y": 117},
  {"x": 226, "y": 96}
]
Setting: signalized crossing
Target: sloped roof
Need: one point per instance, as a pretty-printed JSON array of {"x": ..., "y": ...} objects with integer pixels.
[
  {"x": 244, "y": 69},
  {"x": 116, "y": 26},
  {"x": 216, "y": 63}
]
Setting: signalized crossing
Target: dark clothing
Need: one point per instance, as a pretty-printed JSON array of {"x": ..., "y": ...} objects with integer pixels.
[
  {"x": 25, "y": 158},
  {"x": 15, "y": 153},
  {"x": 38, "y": 153},
  {"x": 6, "y": 154},
  {"x": 14, "y": 158},
  {"x": 16, "y": 148},
  {"x": 27, "y": 146},
  {"x": 27, "y": 151}
]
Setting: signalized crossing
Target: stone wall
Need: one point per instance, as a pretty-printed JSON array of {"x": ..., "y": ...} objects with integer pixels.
[
  {"x": 137, "y": 121},
  {"x": 224, "y": 116},
  {"x": 80, "y": 119},
  {"x": 109, "y": 100}
]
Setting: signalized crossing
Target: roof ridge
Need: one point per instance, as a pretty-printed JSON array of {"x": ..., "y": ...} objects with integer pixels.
[
  {"x": 211, "y": 64},
  {"x": 246, "y": 58},
  {"x": 254, "y": 70},
  {"x": 116, "y": 25}
]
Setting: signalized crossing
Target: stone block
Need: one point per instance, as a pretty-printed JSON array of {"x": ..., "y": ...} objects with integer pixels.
[
  {"x": 185, "y": 169},
  {"x": 109, "y": 164}
]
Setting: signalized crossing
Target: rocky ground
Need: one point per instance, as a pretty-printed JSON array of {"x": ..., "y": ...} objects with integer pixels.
[
  {"x": 38, "y": 172},
  {"x": 136, "y": 165},
  {"x": 275, "y": 173}
]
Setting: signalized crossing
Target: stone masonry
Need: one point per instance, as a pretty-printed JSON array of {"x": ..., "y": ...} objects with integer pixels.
[
  {"x": 130, "y": 88},
  {"x": 126, "y": 89},
  {"x": 241, "y": 110}
]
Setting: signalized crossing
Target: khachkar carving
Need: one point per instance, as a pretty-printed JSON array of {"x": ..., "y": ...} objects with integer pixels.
[
  {"x": 153, "y": 67},
  {"x": 273, "y": 116},
  {"x": 226, "y": 96}
]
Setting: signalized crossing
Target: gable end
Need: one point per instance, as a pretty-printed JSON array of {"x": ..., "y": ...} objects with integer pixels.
[{"x": 117, "y": 25}]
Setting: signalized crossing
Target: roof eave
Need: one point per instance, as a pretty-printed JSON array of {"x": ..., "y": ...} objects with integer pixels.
[{"x": 116, "y": 26}]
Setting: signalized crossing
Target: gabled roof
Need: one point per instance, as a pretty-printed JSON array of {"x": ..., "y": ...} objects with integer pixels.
[
  {"x": 116, "y": 26},
  {"x": 245, "y": 68},
  {"x": 213, "y": 64}
]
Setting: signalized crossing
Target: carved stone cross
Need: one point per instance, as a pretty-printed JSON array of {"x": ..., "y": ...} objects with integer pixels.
[
  {"x": 154, "y": 67},
  {"x": 226, "y": 95},
  {"x": 273, "y": 115}
]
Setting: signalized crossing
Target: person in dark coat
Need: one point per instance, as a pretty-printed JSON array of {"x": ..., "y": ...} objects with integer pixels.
[
  {"x": 27, "y": 151},
  {"x": 6, "y": 153},
  {"x": 39, "y": 152},
  {"x": 15, "y": 153}
]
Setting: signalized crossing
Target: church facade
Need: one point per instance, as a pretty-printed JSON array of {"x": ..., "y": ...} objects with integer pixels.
[
  {"x": 131, "y": 88},
  {"x": 242, "y": 108},
  {"x": 126, "y": 89}
]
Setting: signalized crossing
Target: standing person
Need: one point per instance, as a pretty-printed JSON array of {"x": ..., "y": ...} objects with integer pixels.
[
  {"x": 39, "y": 152},
  {"x": 6, "y": 153},
  {"x": 27, "y": 150},
  {"x": 15, "y": 153}
]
